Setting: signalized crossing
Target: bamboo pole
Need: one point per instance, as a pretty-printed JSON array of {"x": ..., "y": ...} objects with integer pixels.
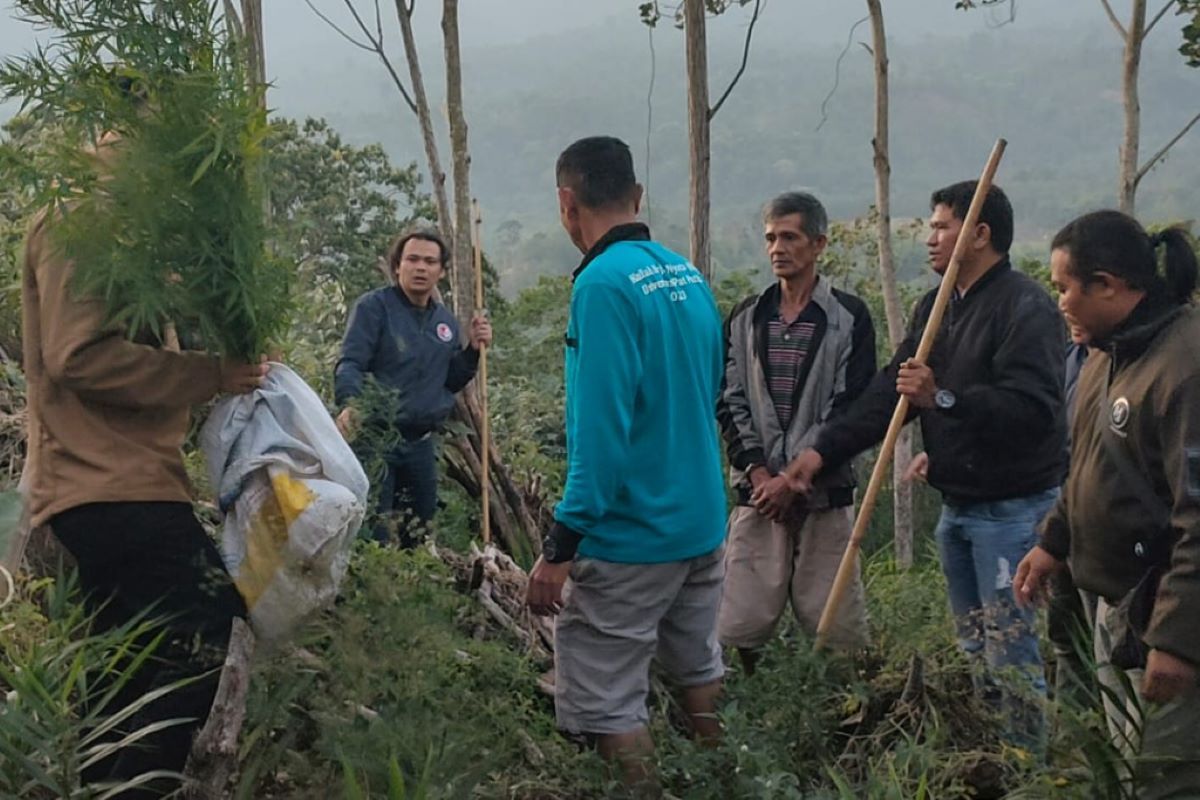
[
  {"x": 485, "y": 432},
  {"x": 945, "y": 289}
]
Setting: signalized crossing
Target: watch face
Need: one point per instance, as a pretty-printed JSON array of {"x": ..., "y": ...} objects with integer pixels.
[{"x": 549, "y": 551}]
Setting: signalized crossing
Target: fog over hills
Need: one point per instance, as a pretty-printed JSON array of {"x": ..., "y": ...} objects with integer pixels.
[{"x": 539, "y": 73}]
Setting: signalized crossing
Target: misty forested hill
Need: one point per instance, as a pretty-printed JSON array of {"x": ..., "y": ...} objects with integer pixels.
[
  {"x": 1050, "y": 83},
  {"x": 1054, "y": 95}
]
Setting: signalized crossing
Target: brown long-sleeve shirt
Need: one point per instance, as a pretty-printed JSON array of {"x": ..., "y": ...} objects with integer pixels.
[{"x": 107, "y": 416}]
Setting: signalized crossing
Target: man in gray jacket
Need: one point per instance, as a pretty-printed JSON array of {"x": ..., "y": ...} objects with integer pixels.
[{"x": 797, "y": 354}]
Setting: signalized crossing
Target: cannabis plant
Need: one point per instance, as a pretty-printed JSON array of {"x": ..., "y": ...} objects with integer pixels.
[{"x": 155, "y": 180}]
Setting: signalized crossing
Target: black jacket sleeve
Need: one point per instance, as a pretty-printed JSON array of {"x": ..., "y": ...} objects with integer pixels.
[
  {"x": 1173, "y": 624},
  {"x": 358, "y": 348},
  {"x": 463, "y": 367},
  {"x": 865, "y": 421},
  {"x": 734, "y": 416}
]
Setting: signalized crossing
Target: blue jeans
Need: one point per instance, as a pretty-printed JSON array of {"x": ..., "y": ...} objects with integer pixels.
[
  {"x": 408, "y": 495},
  {"x": 981, "y": 545}
]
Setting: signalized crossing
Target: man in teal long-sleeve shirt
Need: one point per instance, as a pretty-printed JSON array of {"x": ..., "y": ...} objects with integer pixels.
[{"x": 640, "y": 527}]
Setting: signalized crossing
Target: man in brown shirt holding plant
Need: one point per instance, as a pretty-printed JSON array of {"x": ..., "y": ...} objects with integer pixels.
[{"x": 107, "y": 418}]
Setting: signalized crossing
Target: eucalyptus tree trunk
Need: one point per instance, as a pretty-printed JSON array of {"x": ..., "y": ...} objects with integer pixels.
[
  {"x": 1131, "y": 67},
  {"x": 699, "y": 151},
  {"x": 256, "y": 57},
  {"x": 462, "y": 283},
  {"x": 517, "y": 515},
  {"x": 437, "y": 177},
  {"x": 902, "y": 499}
]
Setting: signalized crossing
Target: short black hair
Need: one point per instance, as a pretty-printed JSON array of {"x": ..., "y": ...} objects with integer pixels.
[
  {"x": 996, "y": 213},
  {"x": 418, "y": 232},
  {"x": 814, "y": 221},
  {"x": 600, "y": 171}
]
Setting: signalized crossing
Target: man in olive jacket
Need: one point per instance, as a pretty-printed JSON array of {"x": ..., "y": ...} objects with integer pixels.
[{"x": 1129, "y": 517}]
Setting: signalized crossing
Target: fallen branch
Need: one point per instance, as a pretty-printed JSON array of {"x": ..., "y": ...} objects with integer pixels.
[
  {"x": 498, "y": 584},
  {"x": 213, "y": 759}
]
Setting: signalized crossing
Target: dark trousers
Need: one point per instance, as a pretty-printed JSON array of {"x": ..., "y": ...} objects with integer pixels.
[
  {"x": 408, "y": 495},
  {"x": 154, "y": 559}
]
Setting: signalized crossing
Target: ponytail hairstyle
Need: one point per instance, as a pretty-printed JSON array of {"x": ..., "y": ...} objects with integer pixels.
[{"x": 1116, "y": 243}]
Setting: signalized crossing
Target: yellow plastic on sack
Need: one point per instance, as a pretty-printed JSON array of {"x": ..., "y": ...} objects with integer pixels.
[
  {"x": 294, "y": 496},
  {"x": 280, "y": 505}
]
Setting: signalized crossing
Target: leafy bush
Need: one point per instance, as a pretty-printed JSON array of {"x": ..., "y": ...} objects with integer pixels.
[{"x": 60, "y": 685}]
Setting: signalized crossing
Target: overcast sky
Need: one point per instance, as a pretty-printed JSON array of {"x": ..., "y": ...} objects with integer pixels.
[
  {"x": 515, "y": 49},
  {"x": 303, "y": 52},
  {"x": 290, "y": 24}
]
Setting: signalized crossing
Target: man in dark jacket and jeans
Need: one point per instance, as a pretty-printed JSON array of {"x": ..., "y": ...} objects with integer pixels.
[
  {"x": 410, "y": 342},
  {"x": 990, "y": 401},
  {"x": 796, "y": 355}
]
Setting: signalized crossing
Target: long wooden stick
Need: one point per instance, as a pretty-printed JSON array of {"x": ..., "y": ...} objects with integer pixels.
[
  {"x": 849, "y": 562},
  {"x": 485, "y": 434}
]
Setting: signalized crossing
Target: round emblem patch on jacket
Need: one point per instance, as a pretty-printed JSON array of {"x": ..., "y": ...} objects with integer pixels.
[
  {"x": 444, "y": 333},
  {"x": 1119, "y": 416}
]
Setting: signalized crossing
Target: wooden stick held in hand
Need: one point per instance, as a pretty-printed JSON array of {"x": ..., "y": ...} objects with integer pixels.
[
  {"x": 485, "y": 434},
  {"x": 850, "y": 557}
]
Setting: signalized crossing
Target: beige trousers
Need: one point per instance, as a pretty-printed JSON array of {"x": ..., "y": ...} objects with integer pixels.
[{"x": 768, "y": 563}]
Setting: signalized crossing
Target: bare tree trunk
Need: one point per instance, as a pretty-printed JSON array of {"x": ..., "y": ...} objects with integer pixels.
[
  {"x": 513, "y": 514},
  {"x": 698, "y": 135},
  {"x": 901, "y": 489},
  {"x": 256, "y": 58},
  {"x": 437, "y": 177},
  {"x": 461, "y": 281},
  {"x": 1135, "y": 34}
]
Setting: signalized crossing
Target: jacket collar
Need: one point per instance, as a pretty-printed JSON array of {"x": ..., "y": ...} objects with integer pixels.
[
  {"x": 407, "y": 303},
  {"x": 1135, "y": 333},
  {"x": 630, "y": 231},
  {"x": 768, "y": 301},
  {"x": 1001, "y": 267}
]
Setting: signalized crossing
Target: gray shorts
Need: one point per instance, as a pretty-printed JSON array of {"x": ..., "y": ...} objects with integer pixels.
[{"x": 615, "y": 619}]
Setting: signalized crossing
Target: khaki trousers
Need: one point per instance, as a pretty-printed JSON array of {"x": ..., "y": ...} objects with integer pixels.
[
  {"x": 768, "y": 563},
  {"x": 1160, "y": 742}
]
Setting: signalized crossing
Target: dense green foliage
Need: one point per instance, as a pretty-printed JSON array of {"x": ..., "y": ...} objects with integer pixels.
[
  {"x": 406, "y": 681},
  {"x": 155, "y": 169},
  {"x": 60, "y": 684},
  {"x": 335, "y": 208}
]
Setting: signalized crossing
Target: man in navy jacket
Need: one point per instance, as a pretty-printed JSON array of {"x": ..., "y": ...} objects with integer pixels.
[{"x": 411, "y": 344}]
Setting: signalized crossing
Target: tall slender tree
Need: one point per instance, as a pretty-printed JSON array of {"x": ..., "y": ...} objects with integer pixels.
[
  {"x": 463, "y": 284},
  {"x": 902, "y": 489},
  {"x": 371, "y": 39},
  {"x": 1133, "y": 35},
  {"x": 1134, "y": 32},
  {"x": 691, "y": 16}
]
